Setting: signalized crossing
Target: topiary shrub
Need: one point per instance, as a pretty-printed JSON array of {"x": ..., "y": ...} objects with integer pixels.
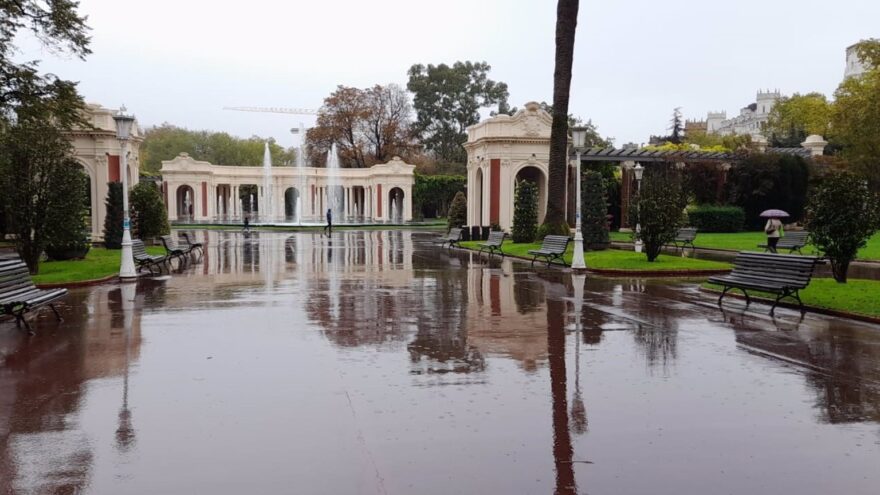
[
  {"x": 114, "y": 218},
  {"x": 67, "y": 231},
  {"x": 842, "y": 214},
  {"x": 658, "y": 208},
  {"x": 525, "y": 212},
  {"x": 708, "y": 218},
  {"x": 594, "y": 211},
  {"x": 149, "y": 218},
  {"x": 457, "y": 211}
]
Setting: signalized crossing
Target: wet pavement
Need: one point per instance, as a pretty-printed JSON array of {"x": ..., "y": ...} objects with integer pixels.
[{"x": 375, "y": 362}]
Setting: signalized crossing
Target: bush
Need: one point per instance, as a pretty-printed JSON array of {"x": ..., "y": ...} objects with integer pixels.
[
  {"x": 149, "y": 218},
  {"x": 67, "y": 233},
  {"x": 841, "y": 215},
  {"x": 114, "y": 218},
  {"x": 765, "y": 181},
  {"x": 594, "y": 211},
  {"x": 525, "y": 212},
  {"x": 709, "y": 218},
  {"x": 457, "y": 215},
  {"x": 432, "y": 194},
  {"x": 658, "y": 208}
]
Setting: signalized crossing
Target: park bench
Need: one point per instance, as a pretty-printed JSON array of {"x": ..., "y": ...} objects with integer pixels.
[
  {"x": 174, "y": 250},
  {"x": 452, "y": 238},
  {"x": 793, "y": 241},
  {"x": 189, "y": 241},
  {"x": 684, "y": 238},
  {"x": 553, "y": 247},
  {"x": 18, "y": 294},
  {"x": 145, "y": 260},
  {"x": 780, "y": 274},
  {"x": 493, "y": 243}
]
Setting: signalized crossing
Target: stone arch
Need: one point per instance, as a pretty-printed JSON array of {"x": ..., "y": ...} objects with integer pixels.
[
  {"x": 185, "y": 196},
  {"x": 291, "y": 195},
  {"x": 533, "y": 172},
  {"x": 395, "y": 204}
]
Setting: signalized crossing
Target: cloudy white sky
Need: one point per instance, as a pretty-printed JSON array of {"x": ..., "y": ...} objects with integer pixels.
[{"x": 181, "y": 61}]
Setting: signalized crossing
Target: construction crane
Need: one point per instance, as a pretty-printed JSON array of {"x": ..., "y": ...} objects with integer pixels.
[{"x": 293, "y": 111}]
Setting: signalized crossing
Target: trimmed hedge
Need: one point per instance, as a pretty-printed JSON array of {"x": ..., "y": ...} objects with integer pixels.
[{"x": 709, "y": 218}]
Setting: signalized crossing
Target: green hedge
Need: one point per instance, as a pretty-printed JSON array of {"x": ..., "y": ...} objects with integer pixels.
[{"x": 717, "y": 218}]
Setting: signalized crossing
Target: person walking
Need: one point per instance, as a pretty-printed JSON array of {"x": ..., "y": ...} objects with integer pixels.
[
  {"x": 328, "y": 229},
  {"x": 773, "y": 229},
  {"x": 247, "y": 225}
]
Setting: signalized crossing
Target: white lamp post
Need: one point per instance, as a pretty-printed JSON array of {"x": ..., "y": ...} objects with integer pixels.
[
  {"x": 638, "y": 170},
  {"x": 578, "y": 137},
  {"x": 123, "y": 131}
]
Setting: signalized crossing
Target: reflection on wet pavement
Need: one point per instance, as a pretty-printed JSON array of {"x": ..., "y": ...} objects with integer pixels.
[{"x": 375, "y": 362}]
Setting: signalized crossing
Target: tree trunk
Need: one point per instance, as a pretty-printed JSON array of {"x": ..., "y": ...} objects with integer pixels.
[
  {"x": 563, "y": 452},
  {"x": 839, "y": 269},
  {"x": 566, "y": 25}
]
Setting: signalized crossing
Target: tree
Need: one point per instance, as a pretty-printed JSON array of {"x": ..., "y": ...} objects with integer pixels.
[
  {"x": 113, "y": 220},
  {"x": 566, "y": 26},
  {"x": 34, "y": 161},
  {"x": 795, "y": 117},
  {"x": 432, "y": 194},
  {"x": 594, "y": 210},
  {"x": 676, "y": 125},
  {"x": 149, "y": 217},
  {"x": 765, "y": 181},
  {"x": 869, "y": 52},
  {"x": 167, "y": 141},
  {"x": 525, "y": 212},
  {"x": 457, "y": 215},
  {"x": 658, "y": 208},
  {"x": 447, "y": 99},
  {"x": 841, "y": 215},
  {"x": 856, "y": 123},
  {"x": 67, "y": 231}
]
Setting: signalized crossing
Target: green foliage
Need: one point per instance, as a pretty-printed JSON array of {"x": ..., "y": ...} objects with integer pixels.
[
  {"x": 149, "y": 218},
  {"x": 67, "y": 231},
  {"x": 594, "y": 210},
  {"x": 856, "y": 123},
  {"x": 113, "y": 220},
  {"x": 432, "y": 194},
  {"x": 842, "y": 214},
  {"x": 658, "y": 208},
  {"x": 167, "y": 141},
  {"x": 869, "y": 52},
  {"x": 765, "y": 181},
  {"x": 716, "y": 142},
  {"x": 701, "y": 182},
  {"x": 709, "y": 218},
  {"x": 795, "y": 117},
  {"x": 457, "y": 215},
  {"x": 525, "y": 212},
  {"x": 447, "y": 99}
]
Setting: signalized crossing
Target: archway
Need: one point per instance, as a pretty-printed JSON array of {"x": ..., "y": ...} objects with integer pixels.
[
  {"x": 535, "y": 175},
  {"x": 291, "y": 204},
  {"x": 248, "y": 200},
  {"x": 478, "y": 201},
  {"x": 395, "y": 205},
  {"x": 185, "y": 202}
]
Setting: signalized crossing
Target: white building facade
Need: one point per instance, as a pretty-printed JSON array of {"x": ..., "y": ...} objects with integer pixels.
[{"x": 750, "y": 120}]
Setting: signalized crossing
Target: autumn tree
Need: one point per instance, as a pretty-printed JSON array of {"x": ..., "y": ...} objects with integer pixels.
[
  {"x": 447, "y": 99},
  {"x": 795, "y": 117},
  {"x": 856, "y": 123},
  {"x": 566, "y": 25}
]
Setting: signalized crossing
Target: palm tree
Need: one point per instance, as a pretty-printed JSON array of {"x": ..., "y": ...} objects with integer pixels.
[{"x": 566, "y": 25}]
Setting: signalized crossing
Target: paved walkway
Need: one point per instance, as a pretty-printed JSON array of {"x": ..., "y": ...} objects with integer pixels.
[{"x": 374, "y": 362}]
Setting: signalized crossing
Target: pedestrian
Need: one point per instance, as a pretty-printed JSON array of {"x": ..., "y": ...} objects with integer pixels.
[
  {"x": 328, "y": 229},
  {"x": 773, "y": 229},
  {"x": 247, "y": 225}
]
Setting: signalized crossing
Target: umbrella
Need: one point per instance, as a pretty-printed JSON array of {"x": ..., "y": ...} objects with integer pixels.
[{"x": 774, "y": 214}]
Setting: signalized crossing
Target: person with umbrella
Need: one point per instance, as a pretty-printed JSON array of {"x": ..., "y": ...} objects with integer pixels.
[{"x": 773, "y": 228}]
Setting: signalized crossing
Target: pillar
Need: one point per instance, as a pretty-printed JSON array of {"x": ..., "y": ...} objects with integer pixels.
[{"x": 626, "y": 189}]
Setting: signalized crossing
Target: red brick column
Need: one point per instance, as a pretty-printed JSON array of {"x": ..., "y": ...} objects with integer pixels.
[{"x": 495, "y": 191}]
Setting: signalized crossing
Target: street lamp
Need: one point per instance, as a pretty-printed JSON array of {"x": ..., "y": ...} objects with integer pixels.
[
  {"x": 638, "y": 170},
  {"x": 123, "y": 132},
  {"x": 579, "y": 138}
]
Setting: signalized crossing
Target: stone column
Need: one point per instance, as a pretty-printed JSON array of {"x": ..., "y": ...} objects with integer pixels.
[{"x": 172, "y": 202}]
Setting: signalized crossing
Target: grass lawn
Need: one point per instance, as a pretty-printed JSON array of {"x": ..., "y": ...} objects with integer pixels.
[
  {"x": 855, "y": 296},
  {"x": 615, "y": 259},
  {"x": 748, "y": 241},
  {"x": 99, "y": 263}
]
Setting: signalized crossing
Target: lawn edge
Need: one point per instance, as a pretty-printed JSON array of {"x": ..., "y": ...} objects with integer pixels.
[
  {"x": 78, "y": 283},
  {"x": 815, "y": 309}
]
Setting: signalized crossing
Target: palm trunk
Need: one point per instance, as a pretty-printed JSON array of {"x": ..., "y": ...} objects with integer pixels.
[{"x": 566, "y": 25}]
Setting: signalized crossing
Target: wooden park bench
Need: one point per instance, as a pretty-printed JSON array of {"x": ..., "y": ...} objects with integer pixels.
[
  {"x": 793, "y": 241},
  {"x": 174, "y": 250},
  {"x": 493, "y": 243},
  {"x": 18, "y": 294},
  {"x": 189, "y": 242},
  {"x": 452, "y": 238},
  {"x": 780, "y": 274},
  {"x": 553, "y": 247},
  {"x": 145, "y": 260},
  {"x": 684, "y": 238}
]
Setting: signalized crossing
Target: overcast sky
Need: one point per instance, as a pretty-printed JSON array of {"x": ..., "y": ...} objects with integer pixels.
[{"x": 181, "y": 61}]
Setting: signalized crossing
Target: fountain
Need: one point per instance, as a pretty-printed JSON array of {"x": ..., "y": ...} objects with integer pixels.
[
  {"x": 300, "y": 165},
  {"x": 267, "y": 185},
  {"x": 333, "y": 200},
  {"x": 297, "y": 215}
]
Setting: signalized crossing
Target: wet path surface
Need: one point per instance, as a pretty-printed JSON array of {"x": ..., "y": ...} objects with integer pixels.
[{"x": 376, "y": 363}]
